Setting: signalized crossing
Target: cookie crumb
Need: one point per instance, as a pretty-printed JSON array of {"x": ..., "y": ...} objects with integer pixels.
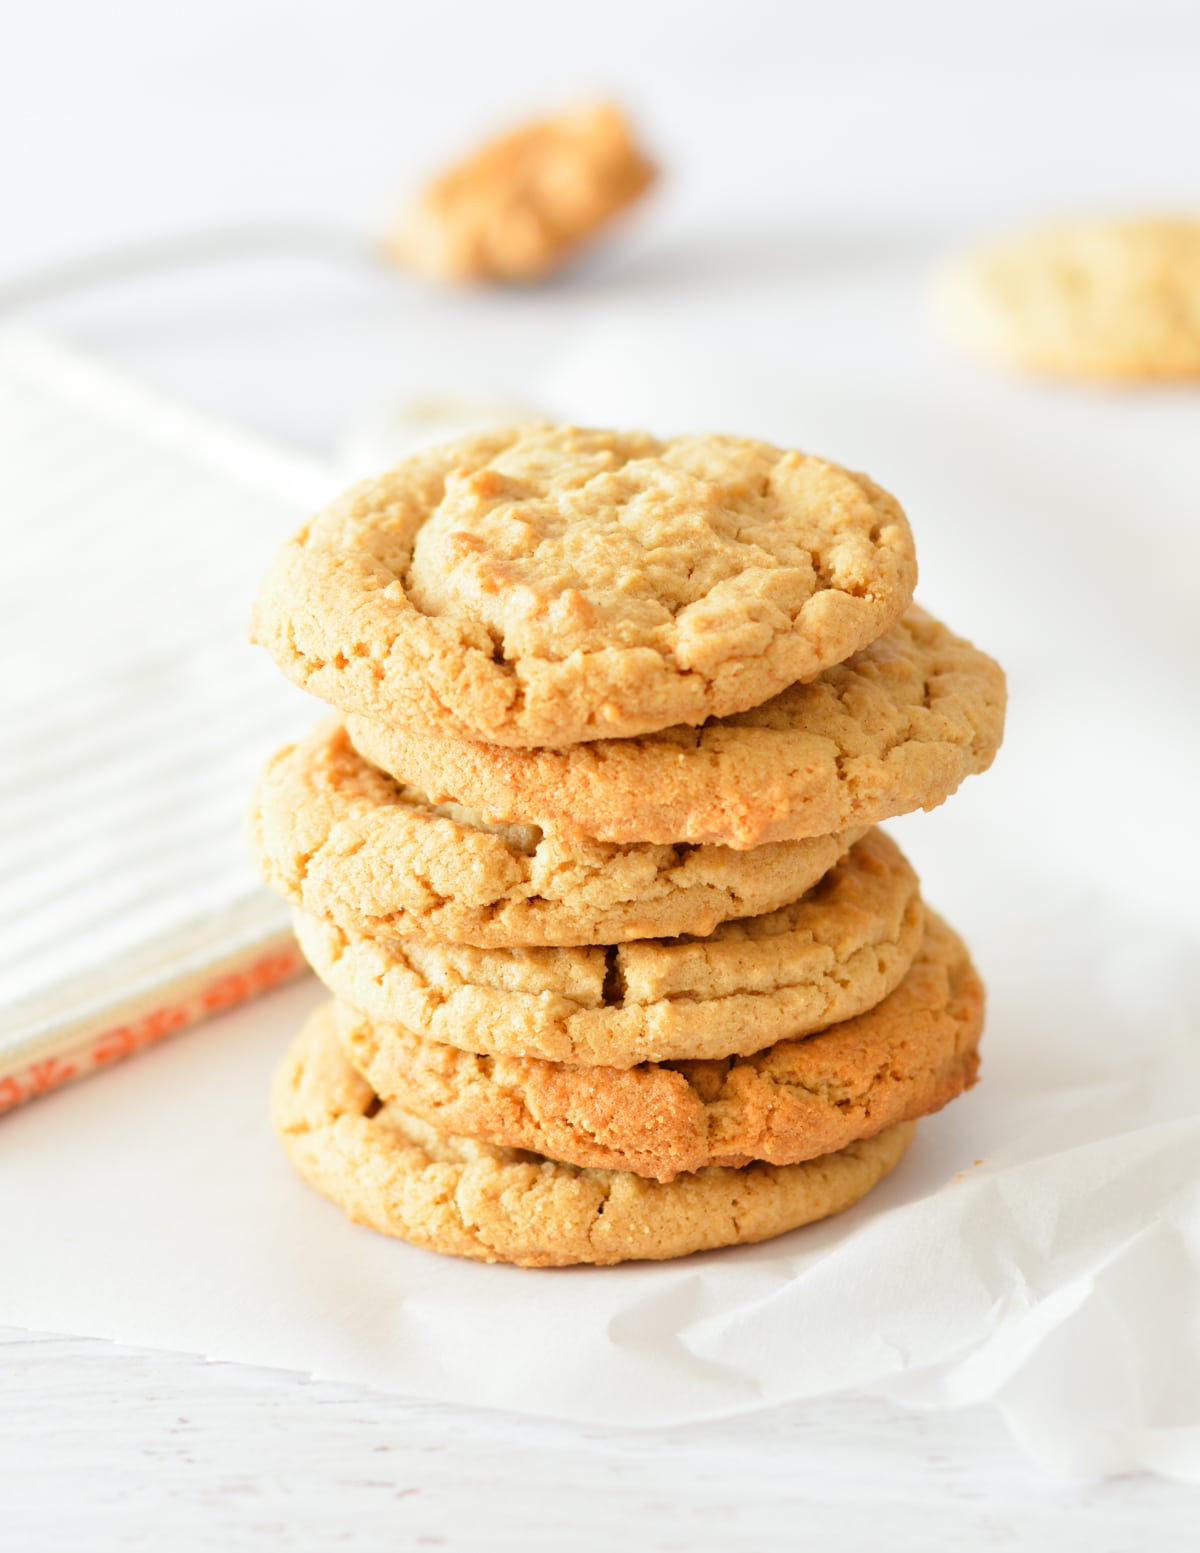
[{"x": 520, "y": 206}]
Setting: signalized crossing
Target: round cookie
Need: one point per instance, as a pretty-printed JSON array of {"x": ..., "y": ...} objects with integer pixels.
[
  {"x": 391, "y": 1172},
  {"x": 522, "y": 204},
  {"x": 832, "y": 954},
  {"x": 896, "y": 728},
  {"x": 911, "y": 1054},
  {"x": 546, "y": 585},
  {"x": 1114, "y": 300},
  {"x": 341, "y": 839}
]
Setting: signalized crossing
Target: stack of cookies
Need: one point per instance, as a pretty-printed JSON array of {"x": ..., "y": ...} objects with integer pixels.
[{"x": 621, "y": 968}]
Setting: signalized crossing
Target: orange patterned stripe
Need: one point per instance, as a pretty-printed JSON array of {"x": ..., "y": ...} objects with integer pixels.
[{"x": 112, "y": 1045}]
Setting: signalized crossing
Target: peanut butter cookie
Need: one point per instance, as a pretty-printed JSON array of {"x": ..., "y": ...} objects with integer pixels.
[
  {"x": 832, "y": 954},
  {"x": 1110, "y": 300},
  {"x": 896, "y": 728},
  {"x": 395, "y": 1174},
  {"x": 911, "y": 1054},
  {"x": 343, "y": 840},
  {"x": 546, "y": 586},
  {"x": 522, "y": 205}
]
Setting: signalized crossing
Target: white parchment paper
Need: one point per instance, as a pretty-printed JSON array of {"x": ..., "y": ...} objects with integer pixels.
[{"x": 1059, "y": 1275}]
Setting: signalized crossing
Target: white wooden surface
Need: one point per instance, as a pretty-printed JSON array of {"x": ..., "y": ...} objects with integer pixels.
[{"x": 106, "y": 1448}]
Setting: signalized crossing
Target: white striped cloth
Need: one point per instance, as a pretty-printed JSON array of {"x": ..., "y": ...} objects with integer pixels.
[{"x": 135, "y": 713}]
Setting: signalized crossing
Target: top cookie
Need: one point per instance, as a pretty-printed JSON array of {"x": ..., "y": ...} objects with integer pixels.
[
  {"x": 546, "y": 586},
  {"x": 522, "y": 204},
  {"x": 1110, "y": 300}
]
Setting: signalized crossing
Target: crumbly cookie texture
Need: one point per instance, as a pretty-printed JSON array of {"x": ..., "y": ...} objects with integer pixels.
[
  {"x": 910, "y": 1055},
  {"x": 522, "y": 205},
  {"x": 394, "y": 1173},
  {"x": 546, "y": 585},
  {"x": 343, "y": 840},
  {"x": 1116, "y": 300},
  {"x": 832, "y": 954},
  {"x": 896, "y": 728}
]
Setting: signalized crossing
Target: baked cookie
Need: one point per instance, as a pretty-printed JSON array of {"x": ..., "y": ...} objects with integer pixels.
[
  {"x": 545, "y": 585},
  {"x": 896, "y": 728},
  {"x": 909, "y": 1055},
  {"x": 393, "y": 1173},
  {"x": 522, "y": 205},
  {"x": 1116, "y": 300},
  {"x": 341, "y": 839},
  {"x": 832, "y": 954}
]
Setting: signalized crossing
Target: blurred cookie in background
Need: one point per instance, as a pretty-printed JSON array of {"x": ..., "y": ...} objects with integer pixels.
[
  {"x": 522, "y": 205},
  {"x": 1115, "y": 301}
]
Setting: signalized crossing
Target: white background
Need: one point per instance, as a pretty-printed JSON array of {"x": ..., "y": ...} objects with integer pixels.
[
  {"x": 797, "y": 137},
  {"x": 818, "y": 158}
]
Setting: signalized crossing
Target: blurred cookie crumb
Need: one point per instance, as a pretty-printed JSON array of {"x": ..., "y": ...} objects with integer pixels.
[{"x": 523, "y": 204}]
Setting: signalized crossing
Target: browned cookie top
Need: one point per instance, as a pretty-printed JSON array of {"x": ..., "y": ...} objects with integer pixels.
[{"x": 547, "y": 585}]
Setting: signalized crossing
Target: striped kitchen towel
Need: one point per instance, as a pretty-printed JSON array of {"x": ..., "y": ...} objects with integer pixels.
[{"x": 135, "y": 713}]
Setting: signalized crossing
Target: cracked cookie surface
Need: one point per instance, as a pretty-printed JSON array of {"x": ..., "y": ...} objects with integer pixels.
[
  {"x": 910, "y": 1055},
  {"x": 832, "y": 954},
  {"x": 521, "y": 205},
  {"x": 1115, "y": 300},
  {"x": 897, "y": 727},
  {"x": 547, "y": 585},
  {"x": 341, "y": 839},
  {"x": 395, "y": 1174}
]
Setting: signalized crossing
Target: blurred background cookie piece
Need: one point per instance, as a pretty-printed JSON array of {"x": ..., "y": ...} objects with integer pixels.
[
  {"x": 1115, "y": 301},
  {"x": 522, "y": 205}
]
